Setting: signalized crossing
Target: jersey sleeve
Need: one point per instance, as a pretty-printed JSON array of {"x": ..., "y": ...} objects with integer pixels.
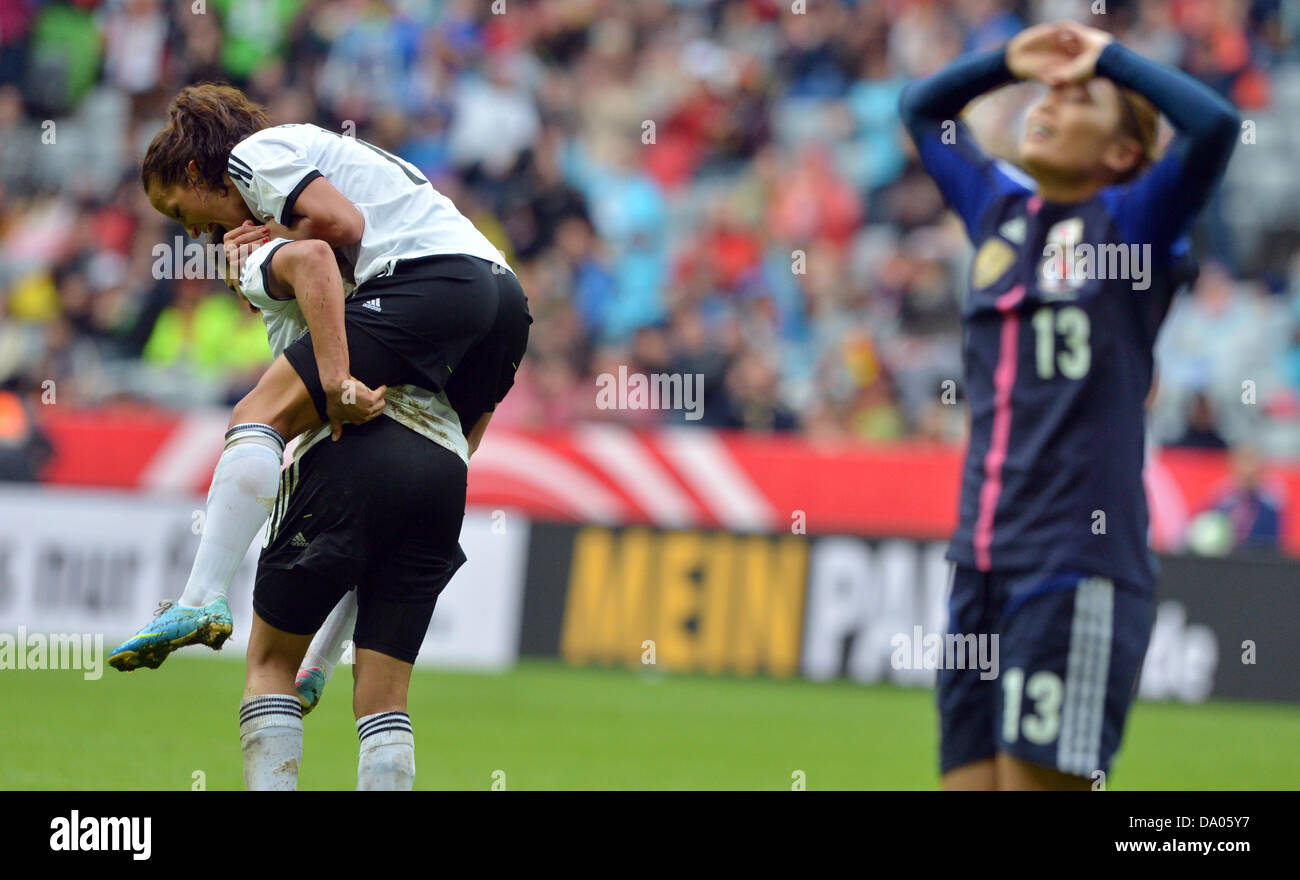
[
  {"x": 271, "y": 169},
  {"x": 1158, "y": 208},
  {"x": 930, "y": 108},
  {"x": 255, "y": 272}
]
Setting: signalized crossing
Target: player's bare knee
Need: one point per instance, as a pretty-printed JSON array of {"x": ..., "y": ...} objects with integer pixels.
[
  {"x": 269, "y": 657},
  {"x": 258, "y": 409},
  {"x": 243, "y": 412}
]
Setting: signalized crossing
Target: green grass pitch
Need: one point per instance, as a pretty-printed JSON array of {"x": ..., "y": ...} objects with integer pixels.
[{"x": 547, "y": 726}]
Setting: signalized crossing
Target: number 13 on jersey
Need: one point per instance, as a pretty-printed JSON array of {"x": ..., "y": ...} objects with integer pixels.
[{"x": 1061, "y": 342}]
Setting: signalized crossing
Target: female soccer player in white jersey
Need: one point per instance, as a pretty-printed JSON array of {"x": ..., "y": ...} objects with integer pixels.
[
  {"x": 435, "y": 308},
  {"x": 381, "y": 509}
]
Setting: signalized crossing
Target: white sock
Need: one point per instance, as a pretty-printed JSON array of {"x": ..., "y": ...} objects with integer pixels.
[
  {"x": 387, "y": 761},
  {"x": 326, "y": 648},
  {"x": 270, "y": 733},
  {"x": 243, "y": 492}
]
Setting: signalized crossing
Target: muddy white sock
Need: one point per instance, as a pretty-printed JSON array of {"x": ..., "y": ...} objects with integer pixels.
[
  {"x": 243, "y": 492},
  {"x": 270, "y": 733},
  {"x": 387, "y": 761}
]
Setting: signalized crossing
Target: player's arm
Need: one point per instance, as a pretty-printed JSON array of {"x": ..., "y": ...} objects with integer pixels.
[
  {"x": 1160, "y": 206},
  {"x": 930, "y": 109},
  {"x": 322, "y": 212},
  {"x": 307, "y": 270},
  {"x": 289, "y": 194}
]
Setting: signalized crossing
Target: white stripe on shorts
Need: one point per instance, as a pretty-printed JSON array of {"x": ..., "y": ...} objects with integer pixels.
[{"x": 1078, "y": 750}]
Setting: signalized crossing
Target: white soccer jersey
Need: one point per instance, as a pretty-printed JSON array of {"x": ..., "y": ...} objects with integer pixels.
[
  {"x": 405, "y": 217},
  {"x": 427, "y": 414}
]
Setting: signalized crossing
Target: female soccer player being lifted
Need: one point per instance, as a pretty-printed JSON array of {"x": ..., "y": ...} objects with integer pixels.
[
  {"x": 1050, "y": 553},
  {"x": 432, "y": 292},
  {"x": 436, "y": 313}
]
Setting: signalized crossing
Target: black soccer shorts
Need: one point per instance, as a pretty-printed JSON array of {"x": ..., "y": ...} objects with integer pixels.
[
  {"x": 449, "y": 322},
  {"x": 379, "y": 510}
]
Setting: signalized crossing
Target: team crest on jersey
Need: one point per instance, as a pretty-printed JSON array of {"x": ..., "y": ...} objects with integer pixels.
[
  {"x": 992, "y": 261},
  {"x": 1056, "y": 276}
]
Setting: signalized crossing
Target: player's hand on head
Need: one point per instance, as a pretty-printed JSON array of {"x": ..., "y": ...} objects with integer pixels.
[
  {"x": 1036, "y": 50},
  {"x": 1056, "y": 54},
  {"x": 239, "y": 243},
  {"x": 1085, "y": 45},
  {"x": 352, "y": 401}
]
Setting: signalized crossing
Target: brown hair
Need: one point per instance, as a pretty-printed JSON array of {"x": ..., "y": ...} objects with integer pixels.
[
  {"x": 204, "y": 122},
  {"x": 1140, "y": 120}
]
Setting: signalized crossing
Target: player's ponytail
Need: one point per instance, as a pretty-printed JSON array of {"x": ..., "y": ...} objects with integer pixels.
[{"x": 204, "y": 122}]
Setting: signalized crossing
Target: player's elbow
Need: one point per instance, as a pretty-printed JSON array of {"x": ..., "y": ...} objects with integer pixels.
[
  {"x": 343, "y": 230},
  {"x": 1226, "y": 126},
  {"x": 909, "y": 110},
  {"x": 1220, "y": 126}
]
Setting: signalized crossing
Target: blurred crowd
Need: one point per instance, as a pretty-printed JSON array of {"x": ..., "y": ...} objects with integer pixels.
[{"x": 715, "y": 187}]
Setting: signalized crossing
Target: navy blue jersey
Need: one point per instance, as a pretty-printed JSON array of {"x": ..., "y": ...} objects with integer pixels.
[{"x": 1058, "y": 346}]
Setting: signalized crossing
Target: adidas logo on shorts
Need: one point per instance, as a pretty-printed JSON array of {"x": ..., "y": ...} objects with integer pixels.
[
  {"x": 372, "y": 304},
  {"x": 298, "y": 541}
]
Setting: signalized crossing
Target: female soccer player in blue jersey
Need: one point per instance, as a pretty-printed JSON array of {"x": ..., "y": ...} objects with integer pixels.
[{"x": 1077, "y": 256}]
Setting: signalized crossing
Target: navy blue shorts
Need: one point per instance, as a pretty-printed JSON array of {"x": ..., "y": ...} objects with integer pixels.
[{"x": 1069, "y": 650}]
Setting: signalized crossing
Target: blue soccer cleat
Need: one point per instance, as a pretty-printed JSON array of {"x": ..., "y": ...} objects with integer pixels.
[
  {"x": 174, "y": 626},
  {"x": 310, "y": 684}
]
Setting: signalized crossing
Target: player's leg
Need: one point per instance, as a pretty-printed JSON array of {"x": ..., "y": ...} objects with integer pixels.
[
  {"x": 1014, "y": 774},
  {"x": 246, "y": 477},
  {"x": 395, "y": 602},
  {"x": 380, "y": 683},
  {"x": 965, "y": 698},
  {"x": 979, "y": 775},
  {"x": 270, "y": 717},
  {"x": 386, "y": 741},
  {"x": 1070, "y": 653},
  {"x": 272, "y": 658},
  {"x": 239, "y": 501},
  {"x": 315, "y": 551},
  {"x": 395, "y": 605},
  {"x": 325, "y": 652}
]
